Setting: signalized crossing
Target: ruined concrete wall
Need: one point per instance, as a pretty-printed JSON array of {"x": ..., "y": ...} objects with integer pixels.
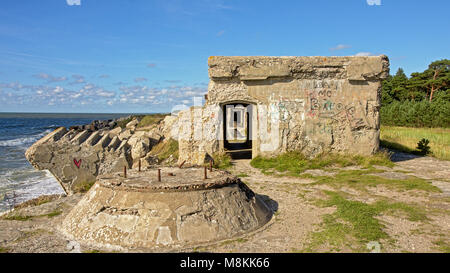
[{"x": 309, "y": 104}]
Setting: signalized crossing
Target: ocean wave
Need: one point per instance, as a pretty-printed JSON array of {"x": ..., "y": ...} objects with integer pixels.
[
  {"x": 24, "y": 140},
  {"x": 20, "y": 185}
]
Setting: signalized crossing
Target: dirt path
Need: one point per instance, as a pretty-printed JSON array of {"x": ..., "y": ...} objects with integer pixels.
[{"x": 298, "y": 215}]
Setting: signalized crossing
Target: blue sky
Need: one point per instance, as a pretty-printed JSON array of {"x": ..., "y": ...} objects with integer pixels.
[{"x": 146, "y": 56}]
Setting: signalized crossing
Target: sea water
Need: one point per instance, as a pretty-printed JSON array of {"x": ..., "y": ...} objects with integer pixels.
[{"x": 19, "y": 181}]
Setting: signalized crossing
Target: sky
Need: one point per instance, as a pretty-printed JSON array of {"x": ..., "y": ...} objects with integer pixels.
[{"x": 148, "y": 56}]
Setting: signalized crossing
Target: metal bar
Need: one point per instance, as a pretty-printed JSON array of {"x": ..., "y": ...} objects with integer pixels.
[{"x": 181, "y": 165}]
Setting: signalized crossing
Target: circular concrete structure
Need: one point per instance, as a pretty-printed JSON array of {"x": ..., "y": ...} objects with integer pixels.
[{"x": 183, "y": 209}]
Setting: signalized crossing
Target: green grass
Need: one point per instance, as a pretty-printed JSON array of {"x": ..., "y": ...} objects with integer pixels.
[
  {"x": 238, "y": 240},
  {"x": 149, "y": 120},
  {"x": 242, "y": 175},
  {"x": 443, "y": 246},
  {"x": 353, "y": 224},
  {"x": 17, "y": 217},
  {"x": 221, "y": 161},
  {"x": 123, "y": 123},
  {"x": 405, "y": 139},
  {"x": 37, "y": 201},
  {"x": 83, "y": 186},
  {"x": 361, "y": 179},
  {"x": 295, "y": 163},
  {"x": 164, "y": 149},
  {"x": 53, "y": 213},
  {"x": 92, "y": 251},
  {"x": 3, "y": 250}
]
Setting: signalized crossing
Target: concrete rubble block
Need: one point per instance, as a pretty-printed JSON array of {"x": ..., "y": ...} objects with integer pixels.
[
  {"x": 116, "y": 131},
  {"x": 76, "y": 157},
  {"x": 132, "y": 124},
  {"x": 125, "y": 134}
]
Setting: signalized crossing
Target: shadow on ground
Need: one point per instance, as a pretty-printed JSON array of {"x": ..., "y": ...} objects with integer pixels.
[{"x": 272, "y": 204}]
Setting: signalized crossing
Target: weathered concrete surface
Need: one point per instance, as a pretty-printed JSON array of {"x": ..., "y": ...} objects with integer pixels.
[
  {"x": 183, "y": 209},
  {"x": 309, "y": 104},
  {"x": 76, "y": 156}
]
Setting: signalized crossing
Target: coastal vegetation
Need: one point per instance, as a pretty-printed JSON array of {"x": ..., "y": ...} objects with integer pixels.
[
  {"x": 221, "y": 161},
  {"x": 354, "y": 223},
  {"x": 405, "y": 139},
  {"x": 415, "y": 108},
  {"x": 38, "y": 201},
  {"x": 295, "y": 163},
  {"x": 165, "y": 149},
  {"x": 422, "y": 100},
  {"x": 83, "y": 186},
  {"x": 151, "y": 119}
]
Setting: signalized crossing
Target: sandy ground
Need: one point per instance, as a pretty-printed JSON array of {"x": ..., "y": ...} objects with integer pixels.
[{"x": 296, "y": 214}]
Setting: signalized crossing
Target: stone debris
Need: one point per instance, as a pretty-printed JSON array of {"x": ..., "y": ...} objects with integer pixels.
[{"x": 78, "y": 155}]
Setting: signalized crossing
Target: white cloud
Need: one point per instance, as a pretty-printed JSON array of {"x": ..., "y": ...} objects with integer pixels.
[
  {"x": 104, "y": 93},
  {"x": 141, "y": 79},
  {"x": 73, "y": 2},
  {"x": 364, "y": 54},
  {"x": 340, "y": 47},
  {"x": 50, "y": 78},
  {"x": 58, "y": 90},
  {"x": 374, "y": 2},
  {"x": 78, "y": 79}
]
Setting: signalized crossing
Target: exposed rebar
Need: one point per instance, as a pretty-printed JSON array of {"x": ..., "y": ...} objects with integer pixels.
[{"x": 181, "y": 165}]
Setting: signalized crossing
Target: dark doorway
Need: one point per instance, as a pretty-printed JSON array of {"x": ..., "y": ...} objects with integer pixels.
[{"x": 237, "y": 130}]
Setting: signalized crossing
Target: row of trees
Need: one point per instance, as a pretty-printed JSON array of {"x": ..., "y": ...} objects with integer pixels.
[{"x": 422, "y": 100}]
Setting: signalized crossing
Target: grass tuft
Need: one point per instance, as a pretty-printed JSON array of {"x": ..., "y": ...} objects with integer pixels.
[
  {"x": 353, "y": 224},
  {"x": 295, "y": 163},
  {"x": 149, "y": 120},
  {"x": 15, "y": 217},
  {"x": 360, "y": 179},
  {"x": 165, "y": 148},
  {"x": 123, "y": 123},
  {"x": 443, "y": 246},
  {"x": 405, "y": 139},
  {"x": 221, "y": 161},
  {"x": 38, "y": 201},
  {"x": 53, "y": 213},
  {"x": 83, "y": 187}
]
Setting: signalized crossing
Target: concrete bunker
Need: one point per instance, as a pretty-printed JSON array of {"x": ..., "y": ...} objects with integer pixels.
[
  {"x": 307, "y": 104},
  {"x": 183, "y": 209}
]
